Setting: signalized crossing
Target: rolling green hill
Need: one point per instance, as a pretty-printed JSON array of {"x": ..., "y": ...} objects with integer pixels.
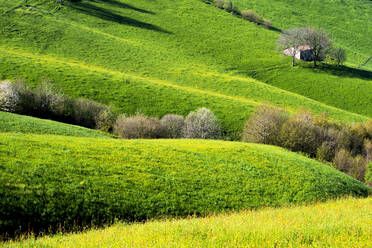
[
  {"x": 24, "y": 124},
  {"x": 82, "y": 181},
  {"x": 349, "y": 22},
  {"x": 169, "y": 56},
  {"x": 343, "y": 224}
]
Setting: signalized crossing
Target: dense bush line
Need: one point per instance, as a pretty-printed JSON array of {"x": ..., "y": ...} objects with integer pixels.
[
  {"x": 76, "y": 182},
  {"x": 199, "y": 124},
  {"x": 248, "y": 15},
  {"x": 47, "y": 102},
  {"x": 348, "y": 148}
]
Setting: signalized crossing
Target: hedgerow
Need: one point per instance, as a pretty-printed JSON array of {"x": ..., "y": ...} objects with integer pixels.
[
  {"x": 49, "y": 103},
  {"x": 348, "y": 147},
  {"x": 74, "y": 182}
]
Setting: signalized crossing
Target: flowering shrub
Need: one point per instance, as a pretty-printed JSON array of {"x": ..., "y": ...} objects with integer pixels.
[
  {"x": 9, "y": 97},
  {"x": 202, "y": 124}
]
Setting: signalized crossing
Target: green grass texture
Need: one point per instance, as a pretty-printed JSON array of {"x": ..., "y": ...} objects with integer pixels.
[
  {"x": 13, "y": 123},
  {"x": 50, "y": 181},
  {"x": 343, "y": 224},
  {"x": 170, "y": 57}
]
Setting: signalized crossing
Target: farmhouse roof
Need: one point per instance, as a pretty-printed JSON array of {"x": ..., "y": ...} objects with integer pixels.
[{"x": 304, "y": 48}]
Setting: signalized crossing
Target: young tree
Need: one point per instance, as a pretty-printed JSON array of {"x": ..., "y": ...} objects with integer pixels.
[
  {"x": 319, "y": 42},
  {"x": 291, "y": 39},
  {"x": 339, "y": 55}
]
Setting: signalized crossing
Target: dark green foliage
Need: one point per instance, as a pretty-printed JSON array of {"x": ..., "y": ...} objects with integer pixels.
[{"x": 79, "y": 182}]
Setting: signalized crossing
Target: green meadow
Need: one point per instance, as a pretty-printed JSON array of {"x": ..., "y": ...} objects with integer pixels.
[
  {"x": 169, "y": 56},
  {"x": 85, "y": 188},
  {"x": 13, "y": 123},
  {"x": 343, "y": 224},
  {"x": 348, "y": 22},
  {"x": 87, "y": 181}
]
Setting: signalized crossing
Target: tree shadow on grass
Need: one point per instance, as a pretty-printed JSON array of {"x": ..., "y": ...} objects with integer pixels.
[
  {"x": 125, "y": 6},
  {"x": 344, "y": 71},
  {"x": 107, "y": 15}
]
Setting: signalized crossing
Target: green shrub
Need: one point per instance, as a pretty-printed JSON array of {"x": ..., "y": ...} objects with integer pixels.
[
  {"x": 202, "y": 124},
  {"x": 267, "y": 24},
  {"x": 49, "y": 103},
  {"x": 300, "y": 134},
  {"x": 227, "y": 6},
  {"x": 338, "y": 55},
  {"x": 368, "y": 176},
  {"x": 92, "y": 114},
  {"x": 343, "y": 161},
  {"x": 327, "y": 151},
  {"x": 264, "y": 126},
  {"x": 174, "y": 126},
  {"x": 358, "y": 168},
  {"x": 251, "y": 16},
  {"x": 219, "y": 3},
  {"x": 139, "y": 127}
]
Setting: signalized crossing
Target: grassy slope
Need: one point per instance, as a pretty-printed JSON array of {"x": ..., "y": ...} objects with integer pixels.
[
  {"x": 344, "y": 223},
  {"x": 348, "y": 22},
  {"x": 69, "y": 178},
  {"x": 25, "y": 124},
  {"x": 168, "y": 56}
]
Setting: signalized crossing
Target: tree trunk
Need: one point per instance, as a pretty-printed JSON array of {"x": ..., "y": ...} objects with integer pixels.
[
  {"x": 314, "y": 62},
  {"x": 293, "y": 60}
]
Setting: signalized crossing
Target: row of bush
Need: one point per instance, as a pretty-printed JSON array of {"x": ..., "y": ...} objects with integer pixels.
[
  {"x": 201, "y": 124},
  {"x": 248, "y": 15},
  {"x": 47, "y": 102},
  {"x": 348, "y": 148}
]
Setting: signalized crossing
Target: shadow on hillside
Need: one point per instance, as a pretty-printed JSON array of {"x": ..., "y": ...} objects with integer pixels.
[
  {"x": 275, "y": 29},
  {"x": 108, "y": 15},
  {"x": 125, "y": 6},
  {"x": 344, "y": 71}
]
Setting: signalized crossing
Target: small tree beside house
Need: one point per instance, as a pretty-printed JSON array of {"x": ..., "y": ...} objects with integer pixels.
[
  {"x": 307, "y": 44},
  {"x": 290, "y": 42}
]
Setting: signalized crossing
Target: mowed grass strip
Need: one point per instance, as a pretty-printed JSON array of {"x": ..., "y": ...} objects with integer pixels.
[
  {"x": 14, "y": 123},
  {"x": 342, "y": 223},
  {"x": 50, "y": 181}
]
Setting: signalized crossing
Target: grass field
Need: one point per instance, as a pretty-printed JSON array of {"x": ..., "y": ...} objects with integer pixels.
[
  {"x": 349, "y": 22},
  {"x": 14, "y": 123},
  {"x": 84, "y": 180},
  {"x": 343, "y": 223},
  {"x": 169, "y": 56}
]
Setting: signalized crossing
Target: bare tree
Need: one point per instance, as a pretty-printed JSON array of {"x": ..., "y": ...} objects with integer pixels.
[
  {"x": 319, "y": 42},
  {"x": 291, "y": 40}
]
